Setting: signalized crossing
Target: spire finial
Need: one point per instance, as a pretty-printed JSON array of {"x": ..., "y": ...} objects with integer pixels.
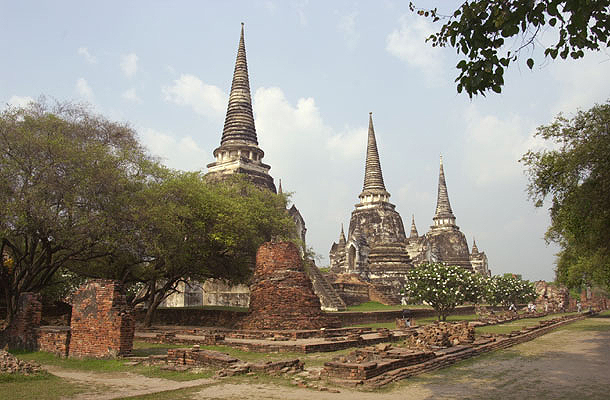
[
  {"x": 475, "y": 249},
  {"x": 373, "y": 178},
  {"x": 239, "y": 121},
  {"x": 279, "y": 190},
  {"x": 413, "y": 233},
  {"x": 443, "y": 207},
  {"x": 342, "y": 236}
]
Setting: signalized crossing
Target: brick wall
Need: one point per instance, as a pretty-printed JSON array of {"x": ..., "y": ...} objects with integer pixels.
[
  {"x": 54, "y": 339},
  {"x": 102, "y": 325},
  {"x": 23, "y": 332}
]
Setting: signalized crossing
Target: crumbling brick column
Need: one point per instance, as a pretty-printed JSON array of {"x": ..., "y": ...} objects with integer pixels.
[
  {"x": 102, "y": 325},
  {"x": 23, "y": 332},
  {"x": 281, "y": 294}
]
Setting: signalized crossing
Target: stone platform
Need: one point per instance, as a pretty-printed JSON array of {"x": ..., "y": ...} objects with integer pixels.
[{"x": 302, "y": 341}]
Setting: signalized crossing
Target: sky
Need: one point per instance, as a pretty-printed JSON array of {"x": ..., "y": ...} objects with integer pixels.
[{"x": 317, "y": 68}]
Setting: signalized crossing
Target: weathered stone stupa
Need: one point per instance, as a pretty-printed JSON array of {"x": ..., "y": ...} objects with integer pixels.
[
  {"x": 375, "y": 247},
  {"x": 281, "y": 294},
  {"x": 239, "y": 151},
  {"x": 445, "y": 240},
  {"x": 478, "y": 259}
]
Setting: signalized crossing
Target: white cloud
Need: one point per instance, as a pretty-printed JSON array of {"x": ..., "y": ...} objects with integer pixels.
[
  {"x": 289, "y": 129},
  {"x": 129, "y": 64},
  {"x": 188, "y": 90},
  {"x": 178, "y": 153},
  {"x": 19, "y": 101},
  {"x": 83, "y": 89},
  {"x": 313, "y": 159},
  {"x": 270, "y": 6},
  {"x": 83, "y": 51},
  {"x": 495, "y": 145},
  {"x": 131, "y": 95},
  {"x": 299, "y": 6},
  {"x": 581, "y": 82},
  {"x": 347, "y": 26},
  {"x": 408, "y": 43}
]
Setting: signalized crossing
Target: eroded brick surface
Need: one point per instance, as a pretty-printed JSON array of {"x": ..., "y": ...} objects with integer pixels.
[
  {"x": 102, "y": 325},
  {"x": 23, "y": 332},
  {"x": 281, "y": 295}
]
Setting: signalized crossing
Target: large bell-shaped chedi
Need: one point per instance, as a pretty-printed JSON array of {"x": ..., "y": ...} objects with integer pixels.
[
  {"x": 375, "y": 247},
  {"x": 445, "y": 238},
  {"x": 239, "y": 152}
]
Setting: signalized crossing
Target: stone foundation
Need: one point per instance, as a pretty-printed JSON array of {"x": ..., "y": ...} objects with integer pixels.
[
  {"x": 281, "y": 295},
  {"x": 101, "y": 324}
]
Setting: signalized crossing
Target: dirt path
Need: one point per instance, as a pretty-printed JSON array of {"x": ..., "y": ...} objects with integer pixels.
[
  {"x": 570, "y": 363},
  {"x": 117, "y": 385}
]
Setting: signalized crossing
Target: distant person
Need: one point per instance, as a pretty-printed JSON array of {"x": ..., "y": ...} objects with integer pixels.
[
  {"x": 579, "y": 306},
  {"x": 406, "y": 316},
  {"x": 512, "y": 307},
  {"x": 546, "y": 307}
]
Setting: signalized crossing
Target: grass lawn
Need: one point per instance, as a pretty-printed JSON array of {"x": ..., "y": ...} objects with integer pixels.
[
  {"x": 115, "y": 365},
  {"x": 375, "y": 306},
  {"x": 39, "y": 386},
  {"x": 450, "y": 318},
  {"x": 516, "y": 325},
  {"x": 311, "y": 359}
]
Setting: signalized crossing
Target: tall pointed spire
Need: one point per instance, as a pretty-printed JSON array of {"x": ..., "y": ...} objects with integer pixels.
[
  {"x": 279, "y": 189},
  {"x": 444, "y": 214},
  {"x": 239, "y": 122},
  {"x": 373, "y": 178},
  {"x": 414, "y": 233},
  {"x": 238, "y": 152},
  {"x": 373, "y": 189},
  {"x": 342, "y": 236}
]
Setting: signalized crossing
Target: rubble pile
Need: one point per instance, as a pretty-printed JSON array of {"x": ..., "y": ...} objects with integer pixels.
[
  {"x": 9, "y": 364},
  {"x": 441, "y": 334}
]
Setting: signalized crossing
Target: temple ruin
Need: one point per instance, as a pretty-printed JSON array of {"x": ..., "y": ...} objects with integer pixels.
[
  {"x": 375, "y": 250},
  {"x": 377, "y": 254}
]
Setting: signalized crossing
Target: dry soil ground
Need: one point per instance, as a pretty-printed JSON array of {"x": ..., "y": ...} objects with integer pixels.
[{"x": 570, "y": 363}]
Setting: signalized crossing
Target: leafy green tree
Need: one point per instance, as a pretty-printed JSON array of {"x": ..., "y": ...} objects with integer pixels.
[
  {"x": 509, "y": 289},
  {"x": 442, "y": 286},
  {"x": 575, "y": 176},
  {"x": 481, "y": 30},
  {"x": 66, "y": 177},
  {"x": 191, "y": 229}
]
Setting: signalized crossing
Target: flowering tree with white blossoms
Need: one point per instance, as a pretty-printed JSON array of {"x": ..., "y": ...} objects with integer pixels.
[
  {"x": 443, "y": 287},
  {"x": 508, "y": 289}
]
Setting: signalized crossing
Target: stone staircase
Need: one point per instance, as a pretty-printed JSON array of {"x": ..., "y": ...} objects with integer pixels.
[
  {"x": 383, "y": 297},
  {"x": 329, "y": 298}
]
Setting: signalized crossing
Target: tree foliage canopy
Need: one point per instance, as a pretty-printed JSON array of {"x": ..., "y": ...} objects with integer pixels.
[
  {"x": 508, "y": 289},
  {"x": 79, "y": 195},
  {"x": 575, "y": 176},
  {"x": 66, "y": 177},
  {"x": 442, "y": 286},
  {"x": 480, "y": 30}
]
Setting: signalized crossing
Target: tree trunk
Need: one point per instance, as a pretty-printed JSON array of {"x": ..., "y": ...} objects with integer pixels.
[
  {"x": 11, "y": 308},
  {"x": 151, "y": 311}
]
